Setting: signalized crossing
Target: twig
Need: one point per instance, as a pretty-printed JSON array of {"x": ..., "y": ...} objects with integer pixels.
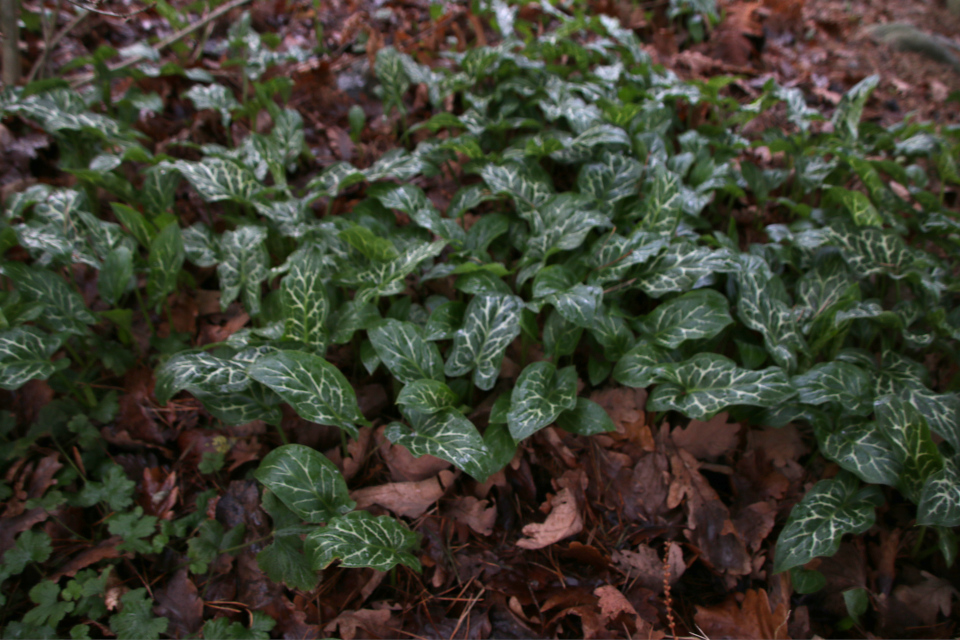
[
  {"x": 49, "y": 46},
  {"x": 466, "y": 612},
  {"x": 111, "y": 14},
  {"x": 667, "y": 600},
  {"x": 83, "y": 79}
]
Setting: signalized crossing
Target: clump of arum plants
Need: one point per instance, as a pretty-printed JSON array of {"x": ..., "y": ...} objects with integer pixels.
[{"x": 601, "y": 230}]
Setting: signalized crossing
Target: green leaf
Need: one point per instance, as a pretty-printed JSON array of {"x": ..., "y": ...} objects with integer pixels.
[
  {"x": 315, "y": 389},
  {"x": 115, "y": 490},
  {"x": 405, "y": 353},
  {"x": 352, "y": 317},
  {"x": 939, "y": 503},
  {"x": 612, "y": 333},
  {"x": 224, "y": 629},
  {"x": 942, "y": 410},
  {"x": 829, "y": 510},
  {"x": 444, "y": 321},
  {"x": 695, "y": 315},
  {"x": 906, "y": 430},
  {"x": 857, "y": 602},
  {"x": 846, "y": 118},
  {"x": 199, "y": 373},
  {"x": 682, "y": 266},
  {"x": 662, "y": 205},
  {"x": 613, "y": 178},
  {"x": 761, "y": 307},
  {"x": 806, "y": 581},
  {"x": 858, "y": 205},
  {"x": 560, "y": 337},
  {"x": 708, "y": 382},
  {"x": 64, "y": 309},
  {"x": 845, "y": 385},
  {"x": 868, "y": 251},
  {"x": 49, "y": 610},
  {"x": 857, "y": 446},
  {"x": 143, "y": 231},
  {"x": 368, "y": 243},
  {"x": 540, "y": 395},
  {"x": 579, "y": 304},
  {"x": 202, "y": 248},
  {"x": 587, "y": 418},
  {"x": 244, "y": 266},
  {"x": 166, "y": 258},
  {"x": 528, "y": 186},
  {"x": 359, "y": 539},
  {"x": 393, "y": 79},
  {"x": 447, "y": 435},
  {"x": 485, "y": 230},
  {"x": 491, "y": 323},
  {"x": 389, "y": 278},
  {"x": 116, "y": 275},
  {"x": 158, "y": 192},
  {"x": 136, "y": 619},
  {"x": 306, "y": 482},
  {"x": 427, "y": 396},
  {"x": 25, "y": 354},
  {"x": 214, "y": 96},
  {"x": 303, "y": 293},
  {"x": 133, "y": 527},
  {"x": 218, "y": 179}
]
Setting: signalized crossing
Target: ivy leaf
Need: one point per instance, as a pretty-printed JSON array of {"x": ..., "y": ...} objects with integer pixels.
[
  {"x": 586, "y": 418},
  {"x": 116, "y": 274},
  {"x": 359, "y": 539},
  {"x": 939, "y": 503},
  {"x": 906, "y": 430},
  {"x": 842, "y": 384},
  {"x": 708, "y": 382},
  {"x": 166, "y": 258},
  {"x": 64, "y": 309},
  {"x": 136, "y": 619},
  {"x": 315, "y": 389},
  {"x": 446, "y": 434},
  {"x": 199, "y": 373},
  {"x": 427, "y": 396},
  {"x": 218, "y": 179},
  {"x": 244, "y": 265},
  {"x": 693, "y": 316},
  {"x": 303, "y": 293},
  {"x": 540, "y": 395},
  {"x": 405, "y": 353},
  {"x": 306, "y": 481},
  {"x": 491, "y": 323},
  {"x": 829, "y": 510},
  {"x": 857, "y": 446},
  {"x": 25, "y": 355}
]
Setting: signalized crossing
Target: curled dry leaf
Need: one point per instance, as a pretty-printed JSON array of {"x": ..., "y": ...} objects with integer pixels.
[
  {"x": 379, "y": 622},
  {"x": 411, "y": 499},
  {"x": 613, "y": 603},
  {"x": 707, "y": 440},
  {"x": 752, "y": 618},
  {"x": 564, "y": 520},
  {"x": 180, "y": 603},
  {"x": 473, "y": 513},
  {"x": 927, "y": 598},
  {"x": 105, "y": 550}
]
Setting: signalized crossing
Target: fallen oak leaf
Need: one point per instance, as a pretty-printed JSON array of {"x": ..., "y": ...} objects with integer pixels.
[
  {"x": 473, "y": 513},
  {"x": 752, "y": 618},
  {"x": 927, "y": 598},
  {"x": 377, "y": 621},
  {"x": 707, "y": 440},
  {"x": 411, "y": 499},
  {"x": 564, "y": 520},
  {"x": 646, "y": 567}
]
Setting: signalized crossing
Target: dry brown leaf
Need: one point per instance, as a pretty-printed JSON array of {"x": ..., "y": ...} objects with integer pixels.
[
  {"x": 708, "y": 440},
  {"x": 473, "y": 513},
  {"x": 933, "y": 595},
  {"x": 106, "y": 549},
  {"x": 180, "y": 603},
  {"x": 612, "y": 603},
  {"x": 783, "y": 446},
  {"x": 410, "y": 499},
  {"x": 378, "y": 622},
  {"x": 357, "y": 452},
  {"x": 752, "y": 618},
  {"x": 625, "y": 406},
  {"x": 564, "y": 520},
  {"x": 646, "y": 566},
  {"x": 755, "y": 522}
]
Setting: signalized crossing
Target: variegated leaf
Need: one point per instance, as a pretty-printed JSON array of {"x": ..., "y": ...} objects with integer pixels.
[
  {"x": 640, "y": 366},
  {"x": 393, "y": 79},
  {"x": 25, "y": 355},
  {"x": 201, "y": 246},
  {"x": 612, "y": 333},
  {"x": 846, "y": 118},
  {"x": 586, "y": 418},
  {"x": 614, "y": 255},
  {"x": 857, "y": 446},
  {"x": 831, "y": 509},
  {"x": 444, "y": 321},
  {"x": 662, "y": 205},
  {"x": 940, "y": 497},
  {"x": 336, "y": 178},
  {"x": 368, "y": 243},
  {"x": 218, "y": 179},
  {"x": 614, "y": 177},
  {"x": 214, "y": 96},
  {"x": 696, "y": 315},
  {"x": 707, "y": 383},
  {"x": 243, "y": 407},
  {"x": 868, "y": 250},
  {"x": 491, "y": 323},
  {"x": 427, "y": 396},
  {"x": 389, "y": 278},
  {"x": 396, "y": 164},
  {"x": 540, "y": 395},
  {"x": 560, "y": 337},
  {"x": 64, "y": 309},
  {"x": 560, "y": 223},
  {"x": 303, "y": 293},
  {"x": 760, "y": 306},
  {"x": 683, "y": 267},
  {"x": 306, "y": 481},
  {"x": 445, "y": 434},
  {"x": 158, "y": 191},
  {"x": 579, "y": 304},
  {"x": 360, "y": 539},
  {"x": 845, "y": 385},
  {"x": 906, "y": 430},
  {"x": 820, "y": 288},
  {"x": 941, "y": 410},
  {"x": 315, "y": 389},
  {"x": 199, "y": 373},
  {"x": 528, "y": 188},
  {"x": 164, "y": 263},
  {"x": 405, "y": 353},
  {"x": 243, "y": 267}
]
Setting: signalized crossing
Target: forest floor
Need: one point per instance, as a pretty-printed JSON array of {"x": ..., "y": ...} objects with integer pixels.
[{"x": 605, "y": 581}]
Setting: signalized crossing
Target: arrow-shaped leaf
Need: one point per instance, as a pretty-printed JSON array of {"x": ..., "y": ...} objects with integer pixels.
[
  {"x": 491, "y": 323},
  {"x": 243, "y": 267},
  {"x": 359, "y": 540},
  {"x": 403, "y": 350},
  {"x": 446, "y": 434},
  {"x": 906, "y": 430},
  {"x": 427, "y": 396},
  {"x": 307, "y": 482},
  {"x": 540, "y": 395},
  {"x": 695, "y": 315},
  {"x": 940, "y": 498},
  {"x": 857, "y": 446},
  {"x": 845, "y": 385},
  {"x": 25, "y": 355}
]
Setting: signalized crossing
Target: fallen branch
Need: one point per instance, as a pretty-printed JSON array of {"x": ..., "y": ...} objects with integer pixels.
[{"x": 80, "y": 80}]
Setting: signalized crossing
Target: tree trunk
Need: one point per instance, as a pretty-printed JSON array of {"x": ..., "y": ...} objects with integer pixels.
[{"x": 9, "y": 23}]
